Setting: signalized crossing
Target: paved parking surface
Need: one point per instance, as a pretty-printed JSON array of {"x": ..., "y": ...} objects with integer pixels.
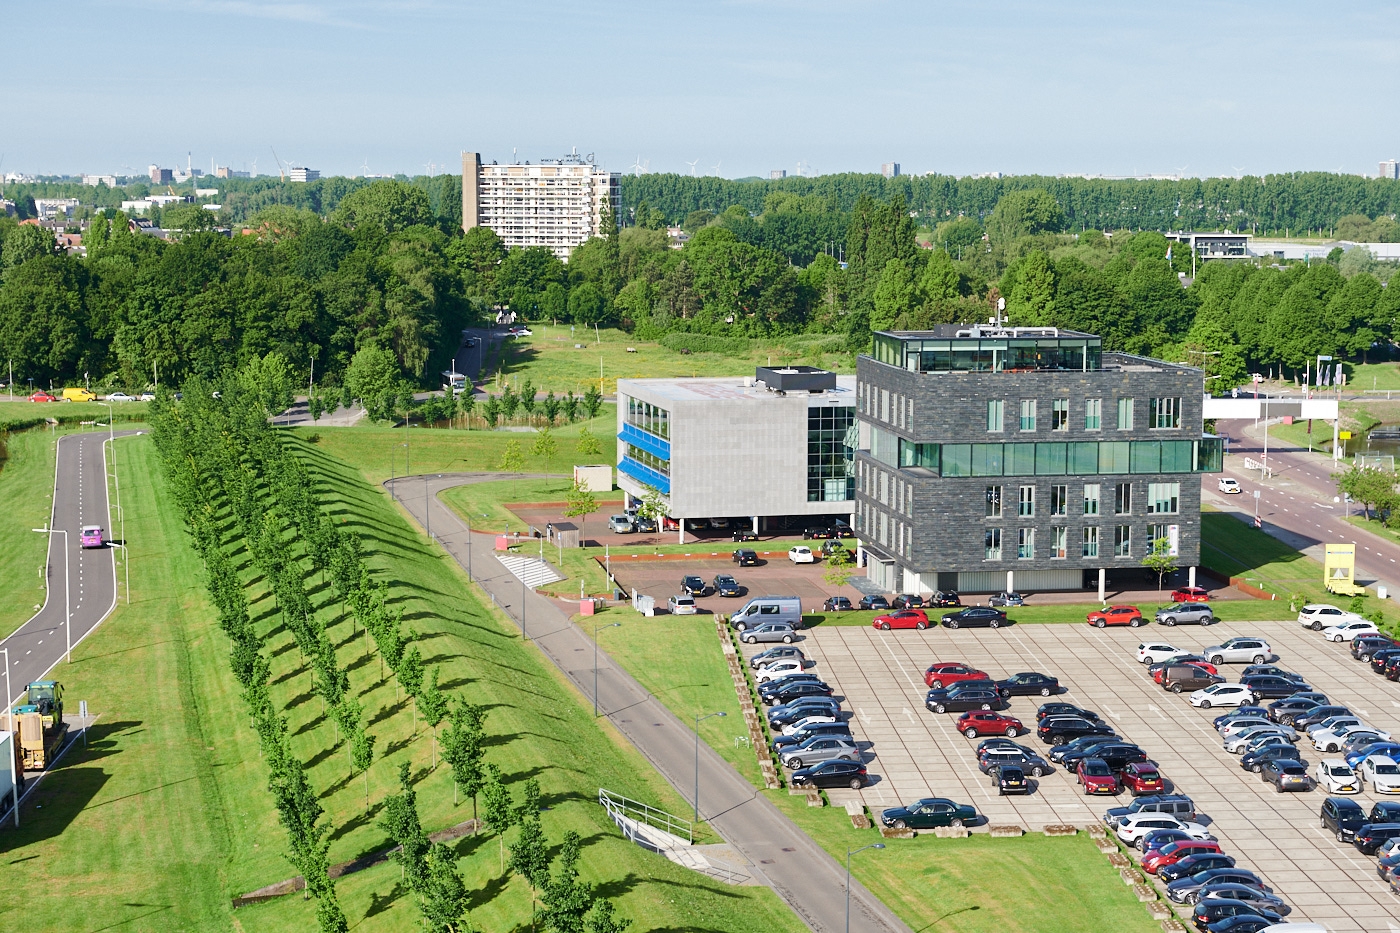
[{"x": 917, "y": 753}]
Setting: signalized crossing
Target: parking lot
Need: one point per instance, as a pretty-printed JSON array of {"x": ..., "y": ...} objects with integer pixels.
[{"x": 916, "y": 753}]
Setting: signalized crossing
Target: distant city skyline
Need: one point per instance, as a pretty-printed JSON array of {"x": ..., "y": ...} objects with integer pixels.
[{"x": 734, "y": 88}]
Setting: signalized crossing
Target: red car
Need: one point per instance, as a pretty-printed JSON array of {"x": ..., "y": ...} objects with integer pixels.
[
  {"x": 1206, "y": 666},
  {"x": 1190, "y": 594},
  {"x": 904, "y": 618},
  {"x": 986, "y": 722},
  {"x": 1173, "y": 852},
  {"x": 1142, "y": 777},
  {"x": 947, "y": 673},
  {"x": 1096, "y": 776},
  {"x": 42, "y": 397},
  {"x": 1116, "y": 615}
]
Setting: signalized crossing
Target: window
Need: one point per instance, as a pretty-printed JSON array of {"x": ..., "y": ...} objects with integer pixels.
[
  {"x": 994, "y": 502},
  {"x": 1091, "y": 542},
  {"x": 1125, "y": 414},
  {"x": 885, "y": 405},
  {"x": 1025, "y": 544},
  {"x": 1163, "y": 498},
  {"x": 1027, "y": 414},
  {"x": 1059, "y": 414},
  {"x": 884, "y": 488},
  {"x": 829, "y": 460},
  {"x": 1157, "y": 533},
  {"x": 647, "y": 459},
  {"x": 1059, "y": 500},
  {"x": 992, "y": 544},
  {"x": 1123, "y": 541},
  {"x": 648, "y": 417},
  {"x": 1123, "y": 499},
  {"x": 1057, "y": 542},
  {"x": 1166, "y": 413},
  {"x": 996, "y": 415},
  {"x": 1091, "y": 499},
  {"x": 884, "y": 538},
  {"x": 1093, "y": 414},
  {"x": 1027, "y": 506}
]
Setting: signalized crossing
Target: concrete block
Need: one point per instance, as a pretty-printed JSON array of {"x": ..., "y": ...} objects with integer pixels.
[
  {"x": 1159, "y": 910},
  {"x": 1006, "y": 832},
  {"x": 1119, "y": 860},
  {"x": 1096, "y": 831},
  {"x": 1130, "y": 877},
  {"x": 890, "y": 832},
  {"x": 1145, "y": 894},
  {"x": 1060, "y": 829},
  {"x": 815, "y": 800},
  {"x": 1106, "y": 845},
  {"x": 1173, "y": 925},
  {"x": 860, "y": 822},
  {"x": 951, "y": 832}
]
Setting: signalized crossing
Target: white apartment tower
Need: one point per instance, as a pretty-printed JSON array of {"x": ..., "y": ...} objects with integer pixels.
[{"x": 556, "y": 203}]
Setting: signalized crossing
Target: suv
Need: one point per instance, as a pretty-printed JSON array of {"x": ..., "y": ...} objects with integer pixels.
[
  {"x": 621, "y": 524},
  {"x": 1189, "y": 677},
  {"x": 1186, "y": 613},
  {"x": 745, "y": 557},
  {"x": 878, "y": 603},
  {"x": 1177, "y": 805},
  {"x": 1318, "y": 616},
  {"x": 947, "y": 599},
  {"x": 837, "y": 604},
  {"x": 1241, "y": 650},
  {"x": 1191, "y": 594},
  {"x": 681, "y": 605},
  {"x": 831, "y": 546},
  {"x": 990, "y": 758},
  {"x": 692, "y": 585},
  {"x": 908, "y": 601}
]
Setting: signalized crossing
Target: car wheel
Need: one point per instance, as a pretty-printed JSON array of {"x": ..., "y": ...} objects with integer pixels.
[
  {"x": 1057, "y": 740},
  {"x": 1316, "y": 626},
  {"x": 1278, "y": 788},
  {"x": 970, "y": 732},
  {"x": 995, "y": 623},
  {"x": 1209, "y": 620},
  {"x": 1045, "y": 691},
  {"x": 937, "y": 685},
  {"x": 1100, "y": 623},
  {"x": 741, "y": 625},
  {"x": 1257, "y": 769},
  {"x": 921, "y": 625},
  {"x": 1205, "y": 704},
  {"x": 986, "y": 706},
  {"x": 1218, "y": 660},
  {"x": 1169, "y": 620},
  {"x": 787, "y": 639},
  {"x": 795, "y": 763},
  {"x": 750, "y": 640},
  {"x": 1334, "y": 748},
  {"x": 952, "y": 623},
  {"x": 1339, "y": 836},
  {"x": 939, "y": 708},
  {"x": 1337, "y": 639},
  {"x": 855, "y": 784},
  {"x": 956, "y": 824},
  {"x": 1259, "y": 659},
  {"x": 1134, "y": 623},
  {"x": 884, "y": 626},
  {"x": 1193, "y": 897},
  {"x": 900, "y": 824},
  {"x": 1176, "y": 688},
  {"x": 1037, "y": 771}
]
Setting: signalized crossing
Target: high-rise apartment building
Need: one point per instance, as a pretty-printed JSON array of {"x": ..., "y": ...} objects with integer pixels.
[
  {"x": 303, "y": 174},
  {"x": 1390, "y": 169},
  {"x": 558, "y": 203},
  {"x": 890, "y": 169}
]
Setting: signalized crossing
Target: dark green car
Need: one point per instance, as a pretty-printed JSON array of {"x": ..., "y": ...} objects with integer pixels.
[{"x": 928, "y": 813}]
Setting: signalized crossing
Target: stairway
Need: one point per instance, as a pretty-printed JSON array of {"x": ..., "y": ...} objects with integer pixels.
[
  {"x": 531, "y": 571},
  {"x": 644, "y": 826}
]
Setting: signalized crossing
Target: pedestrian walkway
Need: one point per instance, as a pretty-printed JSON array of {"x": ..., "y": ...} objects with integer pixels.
[{"x": 532, "y": 571}]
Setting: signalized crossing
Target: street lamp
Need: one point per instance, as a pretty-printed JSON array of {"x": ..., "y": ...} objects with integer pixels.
[
  {"x": 596, "y": 630},
  {"x": 849, "y": 853},
  {"x": 699, "y": 719},
  {"x": 67, "y": 605}
]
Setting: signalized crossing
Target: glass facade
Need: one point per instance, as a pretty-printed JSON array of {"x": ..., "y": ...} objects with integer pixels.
[
  {"x": 648, "y": 417},
  {"x": 1060, "y": 458},
  {"x": 1012, "y": 354},
  {"x": 647, "y": 459},
  {"x": 830, "y": 472}
]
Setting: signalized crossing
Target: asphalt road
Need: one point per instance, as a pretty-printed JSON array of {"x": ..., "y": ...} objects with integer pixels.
[
  {"x": 80, "y": 498},
  {"x": 780, "y": 854}
]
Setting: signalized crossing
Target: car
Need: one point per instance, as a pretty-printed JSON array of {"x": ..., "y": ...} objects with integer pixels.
[
  {"x": 780, "y": 669},
  {"x": 1142, "y": 778},
  {"x": 1236, "y": 724},
  {"x": 1134, "y": 826},
  {"x": 1319, "y": 714},
  {"x": 1115, "y": 615},
  {"x": 681, "y": 605},
  {"x": 725, "y": 585},
  {"x": 1222, "y": 694},
  {"x": 621, "y": 524},
  {"x": 1243, "y": 892},
  {"x": 776, "y": 653},
  {"x": 907, "y": 601},
  {"x": 975, "y": 617},
  {"x": 1284, "y": 710},
  {"x": 1365, "y": 647},
  {"x": 945, "y": 599},
  {"x": 42, "y": 397},
  {"x": 1382, "y": 773},
  {"x": 1256, "y": 758},
  {"x": 1243, "y": 712},
  {"x": 745, "y": 557},
  {"x": 1337, "y": 777},
  {"x": 836, "y": 604},
  {"x": 1188, "y": 890},
  {"x": 792, "y": 691},
  {"x": 518, "y": 331},
  {"x": 786, "y": 680},
  {"x": 979, "y": 722},
  {"x": 1116, "y": 754},
  {"x": 1318, "y": 616},
  {"x": 1333, "y": 738},
  {"x": 1273, "y": 670},
  {"x": 1056, "y": 730},
  {"x": 119, "y": 397},
  {"x": 807, "y": 722},
  {"x": 947, "y": 673},
  {"x": 151, "y": 396},
  {"x": 1389, "y": 749},
  {"x": 1287, "y": 775},
  {"x": 719, "y": 523},
  {"x": 903, "y": 618},
  {"x": 1237, "y": 744},
  {"x": 961, "y": 697},
  {"x": 799, "y": 707},
  {"x": 832, "y": 546},
  {"x": 1363, "y": 738},
  {"x": 1379, "y": 659},
  {"x": 929, "y": 813},
  {"x": 769, "y": 631},
  {"x": 1345, "y": 631},
  {"x": 1191, "y": 594},
  {"x": 1157, "y": 670},
  {"x": 1034, "y": 765},
  {"x": 1244, "y": 649},
  {"x": 1384, "y": 811},
  {"x": 91, "y": 537},
  {"x": 1194, "y": 864},
  {"x": 1213, "y": 910},
  {"x": 1338, "y": 723},
  {"x": 998, "y": 742},
  {"x": 1271, "y": 687},
  {"x": 1186, "y": 613},
  {"x": 1096, "y": 777},
  {"x": 1010, "y": 779},
  {"x": 1370, "y": 836},
  {"x": 801, "y": 554},
  {"x": 692, "y": 585},
  {"x": 820, "y": 748},
  {"x": 816, "y": 533},
  {"x": 1083, "y": 746},
  {"x": 1175, "y": 851},
  {"x": 1156, "y": 652},
  {"x": 1064, "y": 709},
  {"x": 1259, "y": 743},
  {"x": 836, "y": 773},
  {"x": 1007, "y": 599},
  {"x": 645, "y": 525},
  {"x": 878, "y": 603},
  {"x": 1392, "y": 669},
  {"x": 839, "y": 729},
  {"x": 1159, "y": 838},
  {"x": 1229, "y": 486},
  {"x": 1028, "y": 683}
]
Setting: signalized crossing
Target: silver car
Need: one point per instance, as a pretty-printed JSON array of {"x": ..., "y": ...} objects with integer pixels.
[
  {"x": 770, "y": 631},
  {"x": 622, "y": 524},
  {"x": 1243, "y": 892},
  {"x": 1241, "y": 650},
  {"x": 1186, "y": 614},
  {"x": 821, "y": 748}
]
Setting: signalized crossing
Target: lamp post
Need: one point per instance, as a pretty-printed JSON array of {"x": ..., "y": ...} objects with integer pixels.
[
  {"x": 849, "y": 853},
  {"x": 10, "y": 728},
  {"x": 699, "y": 719},
  {"x": 596, "y": 630},
  {"x": 67, "y": 605}
]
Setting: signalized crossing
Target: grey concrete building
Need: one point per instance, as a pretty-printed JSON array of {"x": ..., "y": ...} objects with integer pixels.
[
  {"x": 1002, "y": 458},
  {"x": 774, "y": 449}
]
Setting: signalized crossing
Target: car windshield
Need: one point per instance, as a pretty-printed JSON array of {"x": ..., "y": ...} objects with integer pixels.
[
  {"x": 1340, "y": 771},
  {"x": 1386, "y": 769},
  {"x": 1097, "y": 769}
]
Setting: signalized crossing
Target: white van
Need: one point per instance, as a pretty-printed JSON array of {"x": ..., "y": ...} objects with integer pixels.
[{"x": 762, "y": 609}]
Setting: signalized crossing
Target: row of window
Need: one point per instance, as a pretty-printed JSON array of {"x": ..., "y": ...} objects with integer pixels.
[
  {"x": 1163, "y": 414},
  {"x": 648, "y": 417},
  {"x": 1050, "y": 458},
  {"x": 889, "y": 407},
  {"x": 647, "y": 459},
  {"x": 1162, "y": 499},
  {"x": 888, "y": 488},
  {"x": 1089, "y": 543},
  {"x": 874, "y": 525}
]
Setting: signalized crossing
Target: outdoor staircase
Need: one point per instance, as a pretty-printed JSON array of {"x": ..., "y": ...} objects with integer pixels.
[
  {"x": 531, "y": 571},
  {"x": 660, "y": 832}
]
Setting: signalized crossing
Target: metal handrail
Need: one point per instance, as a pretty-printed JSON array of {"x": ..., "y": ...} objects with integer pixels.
[{"x": 642, "y": 813}]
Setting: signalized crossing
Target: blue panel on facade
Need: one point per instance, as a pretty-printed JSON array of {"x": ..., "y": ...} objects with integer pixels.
[
  {"x": 648, "y": 442},
  {"x": 645, "y": 474}
]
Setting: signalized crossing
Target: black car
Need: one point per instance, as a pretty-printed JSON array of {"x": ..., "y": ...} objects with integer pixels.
[
  {"x": 964, "y": 696},
  {"x": 691, "y": 585},
  {"x": 836, "y": 604},
  {"x": 1065, "y": 709},
  {"x": 1269, "y": 686},
  {"x": 833, "y": 545},
  {"x": 908, "y": 601},
  {"x": 1363, "y": 647},
  {"x": 1371, "y": 836},
  {"x": 1193, "y": 864},
  {"x": 794, "y": 691},
  {"x": 974, "y": 617},
  {"x": 839, "y": 773},
  {"x": 801, "y": 708},
  {"x": 1343, "y": 816},
  {"x": 740, "y": 535},
  {"x": 787, "y": 680},
  {"x": 1117, "y": 755},
  {"x": 1214, "y": 909},
  {"x": 1392, "y": 668},
  {"x": 878, "y": 603},
  {"x": 1283, "y": 711},
  {"x": 725, "y": 585},
  {"x": 1085, "y": 743},
  {"x": 1384, "y": 811},
  {"x": 817, "y": 534},
  {"x": 1318, "y": 714},
  {"x": 644, "y": 525},
  {"x": 1381, "y": 658},
  {"x": 1010, "y": 779},
  {"x": 817, "y": 728},
  {"x": 1028, "y": 683},
  {"x": 1274, "y": 670},
  {"x": 776, "y": 653},
  {"x": 1056, "y": 730},
  {"x": 745, "y": 557},
  {"x": 945, "y": 599},
  {"x": 1255, "y": 761}
]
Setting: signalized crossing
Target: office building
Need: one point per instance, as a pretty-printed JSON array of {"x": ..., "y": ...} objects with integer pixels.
[
  {"x": 302, "y": 174},
  {"x": 93, "y": 181},
  {"x": 558, "y": 203},
  {"x": 224, "y": 171},
  {"x": 890, "y": 169},
  {"x": 777, "y": 174},
  {"x": 161, "y": 176},
  {"x": 1225, "y": 245},
  {"x": 1024, "y": 458},
  {"x": 772, "y": 451},
  {"x": 1390, "y": 169}
]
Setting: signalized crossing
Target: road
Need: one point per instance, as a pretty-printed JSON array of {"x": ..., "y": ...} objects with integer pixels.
[{"x": 809, "y": 880}]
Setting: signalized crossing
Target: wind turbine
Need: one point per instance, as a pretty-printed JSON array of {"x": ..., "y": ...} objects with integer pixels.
[
  {"x": 364, "y": 169},
  {"x": 715, "y": 170},
  {"x": 637, "y": 168},
  {"x": 692, "y": 167},
  {"x": 1239, "y": 170}
]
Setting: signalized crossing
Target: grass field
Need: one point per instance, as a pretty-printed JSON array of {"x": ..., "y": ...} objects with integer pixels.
[
  {"x": 26, "y": 499},
  {"x": 484, "y": 504},
  {"x": 166, "y": 816},
  {"x": 18, "y": 414}
]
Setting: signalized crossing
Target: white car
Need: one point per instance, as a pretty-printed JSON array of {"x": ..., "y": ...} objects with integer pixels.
[
  {"x": 779, "y": 669},
  {"x": 804, "y": 722},
  {"x": 1242, "y": 650},
  {"x": 1318, "y": 616},
  {"x": 681, "y": 605},
  {"x": 801, "y": 554},
  {"x": 118, "y": 397},
  {"x": 1346, "y": 631},
  {"x": 1134, "y": 826},
  {"x": 1222, "y": 695},
  {"x": 1235, "y": 744},
  {"x": 1156, "y": 652},
  {"x": 1332, "y": 740},
  {"x": 1334, "y": 723},
  {"x": 1383, "y": 773},
  {"x": 1228, "y": 485},
  {"x": 148, "y": 396},
  {"x": 1336, "y": 777},
  {"x": 1238, "y": 724}
]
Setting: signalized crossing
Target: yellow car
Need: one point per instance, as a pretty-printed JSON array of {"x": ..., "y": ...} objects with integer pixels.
[{"x": 78, "y": 395}]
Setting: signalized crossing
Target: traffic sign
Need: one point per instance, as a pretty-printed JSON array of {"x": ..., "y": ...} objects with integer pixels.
[{"x": 1344, "y": 435}]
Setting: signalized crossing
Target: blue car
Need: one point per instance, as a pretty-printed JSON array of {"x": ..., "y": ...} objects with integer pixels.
[{"x": 1388, "y": 749}]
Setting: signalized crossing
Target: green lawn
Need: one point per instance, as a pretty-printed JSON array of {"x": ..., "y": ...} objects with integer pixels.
[
  {"x": 484, "y": 504},
  {"x": 18, "y": 414},
  {"x": 26, "y": 499}
]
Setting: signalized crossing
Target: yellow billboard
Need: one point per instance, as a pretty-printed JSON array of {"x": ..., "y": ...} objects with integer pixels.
[{"x": 1339, "y": 570}]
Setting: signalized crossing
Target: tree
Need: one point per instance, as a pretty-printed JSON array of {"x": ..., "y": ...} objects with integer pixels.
[
  {"x": 26, "y": 243},
  {"x": 390, "y": 205},
  {"x": 587, "y": 304},
  {"x": 269, "y": 380},
  {"x": 566, "y": 898},
  {"x": 580, "y": 502},
  {"x": 491, "y": 411},
  {"x": 526, "y": 397},
  {"x": 443, "y": 899},
  {"x": 601, "y": 919},
  {"x": 410, "y": 675},
  {"x": 512, "y": 461},
  {"x": 894, "y": 295},
  {"x": 1160, "y": 561},
  {"x": 839, "y": 568},
  {"x": 432, "y": 703},
  {"x": 362, "y": 756},
  {"x": 549, "y": 408},
  {"x": 529, "y": 857},
  {"x": 463, "y": 749},
  {"x": 372, "y": 377},
  {"x": 1373, "y": 488},
  {"x": 1023, "y": 213},
  {"x": 545, "y": 448},
  {"x": 400, "y": 822},
  {"x": 593, "y": 401},
  {"x": 588, "y": 444},
  {"x": 497, "y": 810},
  {"x": 653, "y": 505}
]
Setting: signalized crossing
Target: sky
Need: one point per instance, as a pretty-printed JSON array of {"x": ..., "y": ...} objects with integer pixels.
[{"x": 736, "y": 88}]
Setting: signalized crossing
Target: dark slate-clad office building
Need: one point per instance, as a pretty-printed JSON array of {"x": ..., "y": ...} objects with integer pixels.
[{"x": 1025, "y": 458}]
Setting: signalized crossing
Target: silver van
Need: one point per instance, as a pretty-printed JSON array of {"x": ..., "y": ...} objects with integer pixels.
[{"x": 762, "y": 609}]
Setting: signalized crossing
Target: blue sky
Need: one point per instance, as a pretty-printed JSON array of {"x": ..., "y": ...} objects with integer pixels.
[{"x": 739, "y": 87}]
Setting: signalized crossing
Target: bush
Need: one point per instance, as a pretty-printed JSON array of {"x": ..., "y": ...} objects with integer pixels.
[{"x": 705, "y": 343}]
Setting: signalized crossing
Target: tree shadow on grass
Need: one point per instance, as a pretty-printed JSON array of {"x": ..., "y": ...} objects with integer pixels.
[
  {"x": 377, "y": 904},
  {"x": 324, "y": 754},
  {"x": 295, "y": 672}
]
